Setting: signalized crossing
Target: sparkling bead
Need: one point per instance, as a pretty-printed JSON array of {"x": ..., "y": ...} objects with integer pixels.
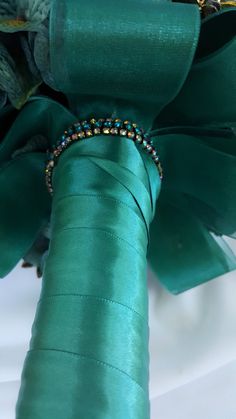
[
  {"x": 118, "y": 124},
  {"x": 134, "y": 125},
  {"x": 123, "y": 132},
  {"x": 138, "y": 131},
  {"x": 98, "y": 124},
  {"x": 154, "y": 153},
  {"x": 81, "y": 134},
  {"x": 114, "y": 131},
  {"x": 51, "y": 163},
  {"x": 149, "y": 148},
  {"x": 78, "y": 128},
  {"x": 89, "y": 133},
  {"x": 144, "y": 144},
  {"x": 128, "y": 126},
  {"x": 93, "y": 121},
  {"x": 107, "y": 124},
  {"x": 106, "y": 131},
  {"x": 139, "y": 138},
  {"x": 87, "y": 126},
  {"x": 156, "y": 159},
  {"x": 74, "y": 137},
  {"x": 117, "y": 120},
  {"x": 97, "y": 131},
  {"x": 70, "y": 131},
  {"x": 131, "y": 134}
]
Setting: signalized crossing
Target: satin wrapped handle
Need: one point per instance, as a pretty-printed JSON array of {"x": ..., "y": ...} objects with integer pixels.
[{"x": 89, "y": 345}]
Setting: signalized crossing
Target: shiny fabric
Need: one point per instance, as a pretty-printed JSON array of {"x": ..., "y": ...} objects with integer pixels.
[
  {"x": 91, "y": 318},
  {"x": 90, "y": 330}
]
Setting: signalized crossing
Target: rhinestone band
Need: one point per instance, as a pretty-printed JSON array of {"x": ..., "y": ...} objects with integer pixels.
[{"x": 103, "y": 126}]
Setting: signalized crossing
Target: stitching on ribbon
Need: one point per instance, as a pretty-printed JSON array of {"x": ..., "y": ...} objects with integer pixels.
[
  {"x": 85, "y": 357},
  {"x": 117, "y": 201},
  {"x": 104, "y": 300},
  {"x": 104, "y": 231}
]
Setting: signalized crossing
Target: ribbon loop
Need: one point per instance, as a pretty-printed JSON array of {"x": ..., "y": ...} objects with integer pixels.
[{"x": 123, "y": 49}]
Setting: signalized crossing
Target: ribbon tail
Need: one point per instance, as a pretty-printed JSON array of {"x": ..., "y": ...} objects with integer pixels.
[
  {"x": 183, "y": 253},
  {"x": 24, "y": 209}
]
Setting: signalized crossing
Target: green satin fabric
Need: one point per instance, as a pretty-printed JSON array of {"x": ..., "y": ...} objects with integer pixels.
[
  {"x": 89, "y": 338},
  {"x": 122, "y": 63},
  {"x": 91, "y": 318}
]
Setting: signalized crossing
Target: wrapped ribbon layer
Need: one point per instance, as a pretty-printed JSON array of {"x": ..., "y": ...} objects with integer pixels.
[{"x": 90, "y": 334}]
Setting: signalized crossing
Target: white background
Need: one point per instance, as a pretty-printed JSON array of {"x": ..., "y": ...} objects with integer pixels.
[{"x": 192, "y": 346}]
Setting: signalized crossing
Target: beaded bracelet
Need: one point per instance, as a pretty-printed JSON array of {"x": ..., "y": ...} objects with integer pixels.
[{"x": 103, "y": 126}]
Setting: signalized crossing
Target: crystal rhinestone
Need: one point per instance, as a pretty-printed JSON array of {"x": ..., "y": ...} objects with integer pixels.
[
  {"x": 93, "y": 121},
  {"x": 70, "y": 131},
  {"x": 138, "y": 131},
  {"x": 107, "y": 124},
  {"x": 74, "y": 137},
  {"x": 63, "y": 137},
  {"x": 78, "y": 128},
  {"x": 144, "y": 144},
  {"x": 117, "y": 120},
  {"x": 87, "y": 126},
  {"x": 139, "y": 138},
  {"x": 89, "y": 133},
  {"x": 118, "y": 124},
  {"x": 126, "y": 122},
  {"x": 81, "y": 134},
  {"x": 114, "y": 131},
  {"x": 97, "y": 131},
  {"x": 131, "y": 134},
  {"x": 106, "y": 131},
  {"x": 134, "y": 125},
  {"x": 98, "y": 124},
  {"x": 156, "y": 159},
  {"x": 154, "y": 153},
  {"x": 51, "y": 163},
  {"x": 101, "y": 120},
  {"x": 149, "y": 148},
  {"x": 83, "y": 123},
  {"x": 123, "y": 132},
  {"x": 129, "y": 126}
]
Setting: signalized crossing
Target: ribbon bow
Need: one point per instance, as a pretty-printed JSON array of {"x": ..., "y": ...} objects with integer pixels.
[{"x": 157, "y": 64}]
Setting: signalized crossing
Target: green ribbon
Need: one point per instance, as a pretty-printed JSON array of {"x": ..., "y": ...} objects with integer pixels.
[
  {"x": 91, "y": 318},
  {"x": 147, "y": 62}
]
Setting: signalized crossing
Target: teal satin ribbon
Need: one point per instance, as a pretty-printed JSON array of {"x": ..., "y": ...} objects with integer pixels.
[
  {"x": 72, "y": 335},
  {"x": 91, "y": 324}
]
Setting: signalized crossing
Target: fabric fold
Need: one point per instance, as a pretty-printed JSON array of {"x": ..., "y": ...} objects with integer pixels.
[{"x": 92, "y": 313}]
